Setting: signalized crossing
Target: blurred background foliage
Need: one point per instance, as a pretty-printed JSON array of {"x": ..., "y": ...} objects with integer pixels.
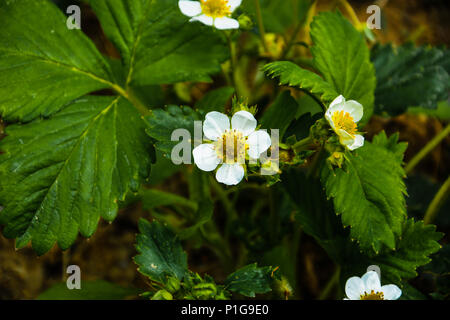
[{"x": 258, "y": 224}]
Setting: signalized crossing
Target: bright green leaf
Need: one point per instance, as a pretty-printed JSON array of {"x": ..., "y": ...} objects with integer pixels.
[{"x": 368, "y": 193}]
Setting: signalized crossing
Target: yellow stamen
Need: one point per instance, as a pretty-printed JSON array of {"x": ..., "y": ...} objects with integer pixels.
[
  {"x": 372, "y": 296},
  {"x": 231, "y": 147},
  {"x": 343, "y": 120},
  {"x": 215, "y": 8}
]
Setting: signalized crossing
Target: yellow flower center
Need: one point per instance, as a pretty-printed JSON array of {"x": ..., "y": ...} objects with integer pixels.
[
  {"x": 372, "y": 296},
  {"x": 343, "y": 120},
  {"x": 215, "y": 8},
  {"x": 231, "y": 147}
]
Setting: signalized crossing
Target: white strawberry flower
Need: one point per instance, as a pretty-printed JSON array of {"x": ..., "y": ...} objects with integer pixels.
[
  {"x": 343, "y": 116},
  {"x": 229, "y": 145},
  {"x": 215, "y": 13},
  {"x": 368, "y": 287}
]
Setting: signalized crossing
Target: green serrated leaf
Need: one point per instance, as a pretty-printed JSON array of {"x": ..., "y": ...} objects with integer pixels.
[
  {"x": 157, "y": 42},
  {"x": 410, "y": 76},
  {"x": 417, "y": 242},
  {"x": 43, "y": 68},
  {"x": 250, "y": 280},
  {"x": 160, "y": 252},
  {"x": 343, "y": 58},
  {"x": 162, "y": 122},
  {"x": 58, "y": 176},
  {"x": 391, "y": 143},
  {"x": 292, "y": 75},
  {"x": 369, "y": 195}
]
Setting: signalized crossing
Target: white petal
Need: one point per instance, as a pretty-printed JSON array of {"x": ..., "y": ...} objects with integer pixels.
[
  {"x": 205, "y": 157},
  {"x": 354, "y": 288},
  {"x": 336, "y": 105},
  {"x": 204, "y": 19},
  {"x": 339, "y": 101},
  {"x": 226, "y": 23},
  {"x": 258, "y": 142},
  {"x": 215, "y": 125},
  {"x": 358, "y": 142},
  {"x": 243, "y": 121},
  {"x": 391, "y": 292},
  {"x": 345, "y": 138},
  {"x": 230, "y": 174},
  {"x": 234, "y": 4},
  {"x": 190, "y": 8},
  {"x": 371, "y": 281},
  {"x": 355, "y": 109}
]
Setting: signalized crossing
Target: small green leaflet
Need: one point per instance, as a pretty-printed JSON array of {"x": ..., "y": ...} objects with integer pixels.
[
  {"x": 410, "y": 76},
  {"x": 160, "y": 252},
  {"x": 368, "y": 192},
  {"x": 162, "y": 123},
  {"x": 58, "y": 176},
  {"x": 157, "y": 42},
  {"x": 42, "y": 68},
  {"x": 250, "y": 280},
  {"x": 292, "y": 75}
]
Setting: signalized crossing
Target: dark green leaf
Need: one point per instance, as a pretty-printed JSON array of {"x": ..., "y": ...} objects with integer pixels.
[
  {"x": 157, "y": 42},
  {"x": 410, "y": 76},
  {"x": 250, "y": 280},
  {"x": 163, "y": 122},
  {"x": 43, "y": 64},
  {"x": 58, "y": 176},
  {"x": 215, "y": 100},
  {"x": 153, "y": 198},
  {"x": 160, "y": 252},
  {"x": 280, "y": 113}
]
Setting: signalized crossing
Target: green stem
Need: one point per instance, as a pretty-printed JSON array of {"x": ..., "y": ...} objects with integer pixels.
[
  {"x": 427, "y": 149},
  {"x": 233, "y": 62},
  {"x": 291, "y": 41},
  {"x": 331, "y": 284},
  {"x": 143, "y": 110},
  {"x": 302, "y": 144},
  {"x": 262, "y": 32},
  {"x": 437, "y": 202}
]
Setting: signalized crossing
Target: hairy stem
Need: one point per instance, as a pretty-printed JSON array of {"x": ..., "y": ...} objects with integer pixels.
[
  {"x": 437, "y": 202},
  {"x": 427, "y": 149},
  {"x": 302, "y": 144}
]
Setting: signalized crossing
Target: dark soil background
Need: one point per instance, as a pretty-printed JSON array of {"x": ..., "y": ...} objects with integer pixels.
[{"x": 108, "y": 254}]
